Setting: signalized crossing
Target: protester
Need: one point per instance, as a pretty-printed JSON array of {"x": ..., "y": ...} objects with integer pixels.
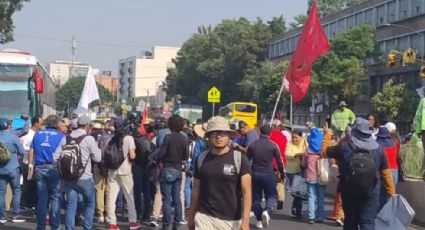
[
  {"x": 198, "y": 146},
  {"x": 172, "y": 153},
  {"x": 341, "y": 117},
  {"x": 221, "y": 176},
  {"x": 10, "y": 171},
  {"x": 280, "y": 139},
  {"x": 315, "y": 191},
  {"x": 44, "y": 154},
  {"x": 122, "y": 177},
  {"x": 84, "y": 185},
  {"x": 261, "y": 153},
  {"x": 362, "y": 163},
  {"x": 294, "y": 151},
  {"x": 394, "y": 136},
  {"x": 249, "y": 135},
  {"x": 373, "y": 123}
]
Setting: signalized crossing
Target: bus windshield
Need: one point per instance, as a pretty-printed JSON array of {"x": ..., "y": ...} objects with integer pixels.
[{"x": 14, "y": 90}]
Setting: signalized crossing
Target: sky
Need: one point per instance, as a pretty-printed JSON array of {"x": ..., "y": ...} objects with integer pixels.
[{"x": 109, "y": 30}]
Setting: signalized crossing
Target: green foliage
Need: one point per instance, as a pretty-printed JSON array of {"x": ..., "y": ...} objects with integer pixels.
[
  {"x": 412, "y": 157},
  {"x": 7, "y": 9},
  {"x": 387, "y": 103},
  {"x": 409, "y": 105},
  {"x": 326, "y": 7},
  {"x": 277, "y": 25},
  {"x": 298, "y": 21},
  {"x": 71, "y": 91},
  {"x": 218, "y": 58},
  {"x": 340, "y": 70}
]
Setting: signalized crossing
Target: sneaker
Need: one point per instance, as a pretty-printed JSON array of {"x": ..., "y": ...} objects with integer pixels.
[
  {"x": 183, "y": 222},
  {"x": 339, "y": 222},
  {"x": 279, "y": 205},
  {"x": 266, "y": 219},
  {"x": 113, "y": 227},
  {"x": 251, "y": 214},
  {"x": 154, "y": 223},
  {"x": 311, "y": 221},
  {"x": 3, "y": 221},
  {"x": 101, "y": 220},
  {"x": 17, "y": 219},
  {"x": 259, "y": 224},
  {"x": 134, "y": 225},
  {"x": 319, "y": 220}
]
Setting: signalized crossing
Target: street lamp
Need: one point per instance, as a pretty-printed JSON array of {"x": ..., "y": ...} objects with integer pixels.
[{"x": 415, "y": 31}]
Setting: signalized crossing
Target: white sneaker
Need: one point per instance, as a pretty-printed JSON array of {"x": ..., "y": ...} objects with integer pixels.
[
  {"x": 266, "y": 219},
  {"x": 100, "y": 219},
  {"x": 339, "y": 222},
  {"x": 251, "y": 214},
  {"x": 17, "y": 219},
  {"x": 3, "y": 221},
  {"x": 259, "y": 224}
]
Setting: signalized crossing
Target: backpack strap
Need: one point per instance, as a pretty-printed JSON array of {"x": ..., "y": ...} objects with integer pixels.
[
  {"x": 76, "y": 139},
  {"x": 237, "y": 157},
  {"x": 201, "y": 158}
]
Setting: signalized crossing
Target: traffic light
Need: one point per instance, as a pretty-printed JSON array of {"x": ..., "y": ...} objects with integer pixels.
[
  {"x": 391, "y": 58},
  {"x": 422, "y": 72}
]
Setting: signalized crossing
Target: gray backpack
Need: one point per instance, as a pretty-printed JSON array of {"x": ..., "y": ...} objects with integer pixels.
[{"x": 237, "y": 157}]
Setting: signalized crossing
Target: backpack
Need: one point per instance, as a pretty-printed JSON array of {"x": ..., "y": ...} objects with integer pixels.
[
  {"x": 360, "y": 175},
  {"x": 4, "y": 154},
  {"x": 71, "y": 165},
  {"x": 237, "y": 157},
  {"x": 113, "y": 156}
]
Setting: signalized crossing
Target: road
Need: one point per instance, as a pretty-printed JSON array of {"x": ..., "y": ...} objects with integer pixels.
[{"x": 279, "y": 220}]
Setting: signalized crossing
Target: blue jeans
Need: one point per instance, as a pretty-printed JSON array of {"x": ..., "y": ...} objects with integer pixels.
[
  {"x": 263, "y": 182},
  {"x": 315, "y": 193},
  {"x": 13, "y": 179},
  {"x": 383, "y": 197},
  {"x": 142, "y": 189},
  {"x": 187, "y": 189},
  {"x": 48, "y": 189},
  {"x": 73, "y": 190},
  {"x": 170, "y": 181}
]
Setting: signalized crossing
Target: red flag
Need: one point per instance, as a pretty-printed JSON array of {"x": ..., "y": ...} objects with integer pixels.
[
  {"x": 312, "y": 43},
  {"x": 142, "y": 129}
]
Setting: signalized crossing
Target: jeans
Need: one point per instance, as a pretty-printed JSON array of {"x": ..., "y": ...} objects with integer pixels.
[
  {"x": 383, "y": 197},
  {"x": 73, "y": 190},
  {"x": 48, "y": 189},
  {"x": 187, "y": 189},
  {"x": 297, "y": 203},
  {"x": 170, "y": 180},
  {"x": 13, "y": 179},
  {"x": 360, "y": 210},
  {"x": 315, "y": 193},
  {"x": 263, "y": 182},
  {"x": 142, "y": 189}
]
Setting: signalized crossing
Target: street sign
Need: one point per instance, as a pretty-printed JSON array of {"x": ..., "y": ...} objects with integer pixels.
[{"x": 214, "y": 95}]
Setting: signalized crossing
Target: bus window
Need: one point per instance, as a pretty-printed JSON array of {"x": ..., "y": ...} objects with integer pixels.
[{"x": 245, "y": 108}]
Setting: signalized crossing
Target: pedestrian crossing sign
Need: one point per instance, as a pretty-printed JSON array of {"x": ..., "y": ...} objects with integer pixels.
[{"x": 214, "y": 95}]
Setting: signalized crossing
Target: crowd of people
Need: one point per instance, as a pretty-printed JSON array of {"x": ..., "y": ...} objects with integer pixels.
[{"x": 215, "y": 172}]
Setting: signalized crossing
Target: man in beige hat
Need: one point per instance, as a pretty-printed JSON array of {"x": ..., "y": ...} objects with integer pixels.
[{"x": 215, "y": 198}]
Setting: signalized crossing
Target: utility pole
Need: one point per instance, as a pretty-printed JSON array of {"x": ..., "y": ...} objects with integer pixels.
[{"x": 74, "y": 51}]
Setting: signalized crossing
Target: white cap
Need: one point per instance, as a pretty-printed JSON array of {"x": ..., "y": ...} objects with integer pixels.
[{"x": 391, "y": 127}]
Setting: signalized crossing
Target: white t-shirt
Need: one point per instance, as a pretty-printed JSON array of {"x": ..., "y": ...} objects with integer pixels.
[
  {"x": 125, "y": 168},
  {"x": 287, "y": 135},
  {"x": 26, "y": 142}
]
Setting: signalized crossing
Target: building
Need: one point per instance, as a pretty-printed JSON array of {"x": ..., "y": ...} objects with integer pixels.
[
  {"x": 109, "y": 82},
  {"x": 62, "y": 70},
  {"x": 142, "y": 76},
  {"x": 400, "y": 24}
]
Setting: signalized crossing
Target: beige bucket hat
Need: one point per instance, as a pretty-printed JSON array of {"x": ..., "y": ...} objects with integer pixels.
[{"x": 218, "y": 123}]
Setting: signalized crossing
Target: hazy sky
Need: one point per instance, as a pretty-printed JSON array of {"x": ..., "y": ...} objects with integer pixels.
[{"x": 45, "y": 27}]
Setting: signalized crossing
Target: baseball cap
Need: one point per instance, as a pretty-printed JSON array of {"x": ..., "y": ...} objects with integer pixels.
[{"x": 4, "y": 122}]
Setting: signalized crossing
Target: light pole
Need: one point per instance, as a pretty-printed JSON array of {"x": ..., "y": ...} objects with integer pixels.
[{"x": 415, "y": 31}]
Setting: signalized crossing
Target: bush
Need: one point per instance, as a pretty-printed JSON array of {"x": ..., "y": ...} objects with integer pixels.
[{"x": 412, "y": 156}]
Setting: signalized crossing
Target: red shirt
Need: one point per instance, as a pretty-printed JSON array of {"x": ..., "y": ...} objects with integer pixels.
[
  {"x": 391, "y": 154},
  {"x": 277, "y": 137}
]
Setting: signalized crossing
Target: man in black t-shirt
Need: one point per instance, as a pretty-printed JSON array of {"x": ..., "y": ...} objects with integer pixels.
[{"x": 222, "y": 177}]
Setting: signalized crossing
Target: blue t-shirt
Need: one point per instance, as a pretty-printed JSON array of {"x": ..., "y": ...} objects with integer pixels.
[
  {"x": 12, "y": 143},
  {"x": 44, "y": 144}
]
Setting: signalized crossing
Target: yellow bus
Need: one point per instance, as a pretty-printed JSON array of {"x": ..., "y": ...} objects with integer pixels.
[{"x": 245, "y": 111}]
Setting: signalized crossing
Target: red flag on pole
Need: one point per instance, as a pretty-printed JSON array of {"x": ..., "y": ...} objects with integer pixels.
[
  {"x": 312, "y": 43},
  {"x": 142, "y": 129}
]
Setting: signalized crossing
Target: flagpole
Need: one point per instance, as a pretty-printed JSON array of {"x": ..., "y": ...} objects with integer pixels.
[
  {"x": 275, "y": 105},
  {"x": 290, "y": 110}
]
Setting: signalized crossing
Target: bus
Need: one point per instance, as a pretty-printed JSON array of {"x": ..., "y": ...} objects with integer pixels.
[
  {"x": 26, "y": 88},
  {"x": 245, "y": 111}
]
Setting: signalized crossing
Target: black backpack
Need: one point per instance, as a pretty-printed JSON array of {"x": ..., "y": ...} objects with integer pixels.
[
  {"x": 71, "y": 165},
  {"x": 113, "y": 156},
  {"x": 360, "y": 175}
]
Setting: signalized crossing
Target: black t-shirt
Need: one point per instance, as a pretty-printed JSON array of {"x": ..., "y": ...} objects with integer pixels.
[{"x": 220, "y": 193}]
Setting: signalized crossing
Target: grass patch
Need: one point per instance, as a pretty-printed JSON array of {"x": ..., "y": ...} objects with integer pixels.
[{"x": 412, "y": 156}]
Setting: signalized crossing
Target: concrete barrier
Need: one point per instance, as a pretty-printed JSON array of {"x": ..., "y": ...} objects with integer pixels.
[{"x": 414, "y": 190}]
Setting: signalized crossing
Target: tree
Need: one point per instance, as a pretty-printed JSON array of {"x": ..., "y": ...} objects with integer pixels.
[
  {"x": 7, "y": 9},
  {"x": 71, "y": 92},
  {"x": 298, "y": 21},
  {"x": 326, "y": 7},
  {"x": 277, "y": 25},
  {"x": 218, "y": 58},
  {"x": 339, "y": 71},
  {"x": 388, "y": 102}
]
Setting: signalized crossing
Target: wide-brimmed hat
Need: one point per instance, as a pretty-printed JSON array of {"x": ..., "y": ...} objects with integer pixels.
[
  {"x": 342, "y": 103},
  {"x": 199, "y": 130},
  {"x": 218, "y": 123},
  {"x": 384, "y": 137},
  {"x": 84, "y": 120},
  {"x": 361, "y": 134}
]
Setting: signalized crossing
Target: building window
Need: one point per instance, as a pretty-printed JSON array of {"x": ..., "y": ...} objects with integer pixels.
[
  {"x": 380, "y": 16},
  {"x": 390, "y": 44},
  {"x": 404, "y": 9},
  {"x": 369, "y": 17},
  {"x": 382, "y": 47},
  {"x": 403, "y": 43},
  {"x": 359, "y": 18},
  {"x": 341, "y": 25},
  {"x": 276, "y": 49},
  {"x": 415, "y": 41},
  {"x": 391, "y": 12},
  {"x": 333, "y": 31},
  {"x": 416, "y": 7},
  {"x": 350, "y": 21}
]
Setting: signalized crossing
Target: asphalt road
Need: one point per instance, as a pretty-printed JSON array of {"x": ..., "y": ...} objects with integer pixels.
[{"x": 279, "y": 220}]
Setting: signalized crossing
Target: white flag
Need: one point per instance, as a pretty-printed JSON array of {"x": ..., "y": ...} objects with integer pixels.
[{"x": 88, "y": 95}]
